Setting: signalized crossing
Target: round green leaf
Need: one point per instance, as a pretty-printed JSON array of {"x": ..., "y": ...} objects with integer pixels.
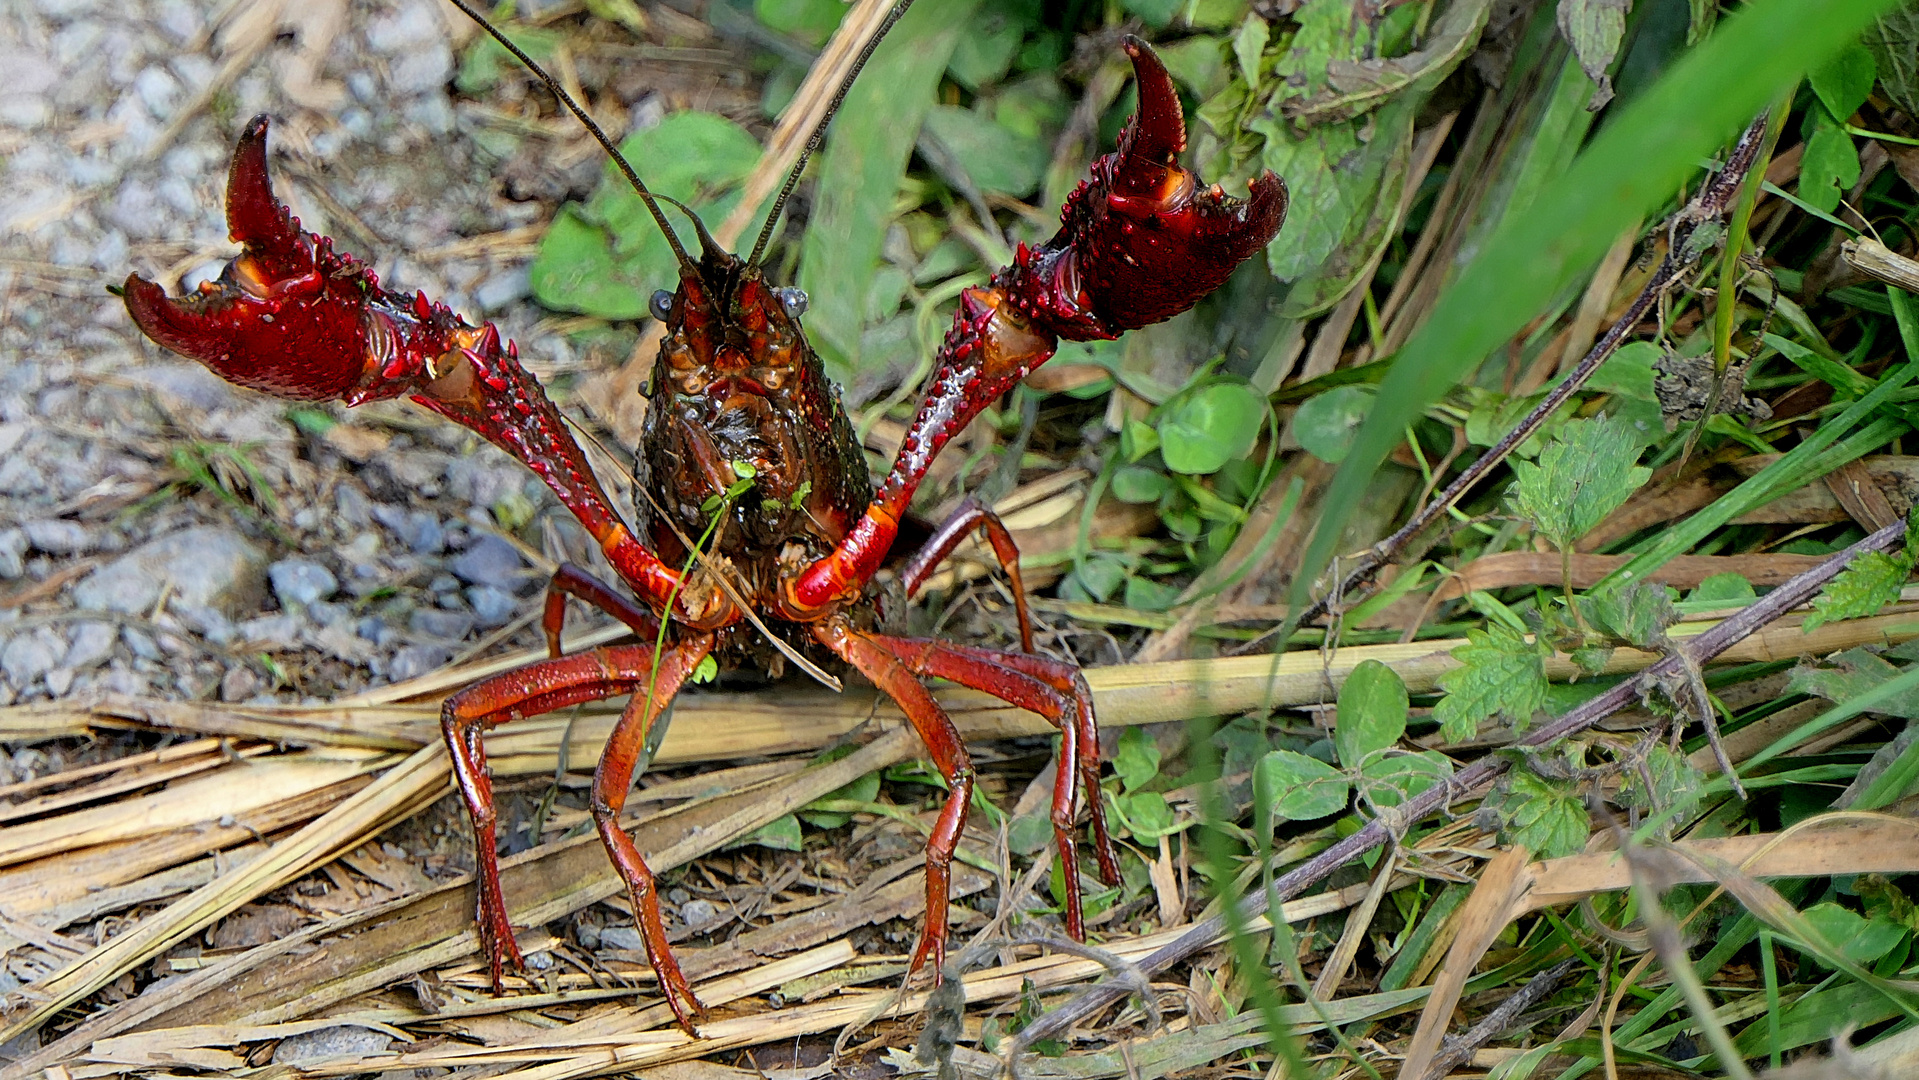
[
  {"x": 1326, "y": 423},
  {"x": 1210, "y": 427},
  {"x": 1396, "y": 778},
  {"x": 1139, "y": 484},
  {"x": 1137, "y": 760},
  {"x": 1289, "y": 786},
  {"x": 1372, "y": 712}
]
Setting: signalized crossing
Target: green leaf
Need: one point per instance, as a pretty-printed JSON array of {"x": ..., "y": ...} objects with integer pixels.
[
  {"x": 1860, "y": 939},
  {"x": 1326, "y": 423},
  {"x": 1207, "y": 428},
  {"x": 811, "y": 21},
  {"x": 1137, "y": 439},
  {"x": 1728, "y": 588},
  {"x": 1136, "y": 762},
  {"x": 996, "y": 158},
  {"x": 1627, "y": 372},
  {"x": 1582, "y": 475},
  {"x": 607, "y": 257},
  {"x": 985, "y": 53},
  {"x": 1372, "y": 713},
  {"x": 860, "y": 169},
  {"x": 1145, "y": 594},
  {"x": 1147, "y": 815},
  {"x": 1154, "y": 13},
  {"x": 1547, "y": 816},
  {"x": 1248, "y": 46},
  {"x": 780, "y": 834},
  {"x": 706, "y": 671},
  {"x": 1894, "y": 42},
  {"x": 1392, "y": 780},
  {"x": 1845, "y": 82},
  {"x": 1638, "y": 614},
  {"x": 1666, "y": 780},
  {"x": 1594, "y": 29},
  {"x": 1848, "y": 676},
  {"x": 1502, "y": 674},
  {"x": 1289, "y": 786},
  {"x": 1631, "y": 167},
  {"x": 1828, "y": 169},
  {"x": 1140, "y": 485},
  {"x": 1868, "y": 583}
]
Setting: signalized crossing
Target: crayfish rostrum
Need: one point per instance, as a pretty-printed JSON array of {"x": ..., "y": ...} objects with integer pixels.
[{"x": 737, "y": 392}]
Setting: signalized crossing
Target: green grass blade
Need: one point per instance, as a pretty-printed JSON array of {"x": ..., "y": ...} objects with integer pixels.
[{"x": 1630, "y": 169}]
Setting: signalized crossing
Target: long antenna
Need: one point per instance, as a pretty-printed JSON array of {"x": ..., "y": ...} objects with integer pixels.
[
  {"x": 600, "y": 136},
  {"x": 819, "y": 129}
]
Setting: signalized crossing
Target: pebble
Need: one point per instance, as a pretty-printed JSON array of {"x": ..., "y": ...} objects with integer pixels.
[
  {"x": 695, "y": 913},
  {"x": 239, "y": 683},
  {"x": 59, "y": 681},
  {"x": 345, "y": 1041},
  {"x": 92, "y": 645},
  {"x": 29, "y": 655},
  {"x": 13, "y": 553},
  {"x": 301, "y": 583},
  {"x": 488, "y": 560},
  {"x": 57, "y": 536},
  {"x": 444, "y": 625},
  {"x": 492, "y": 607},
  {"x": 503, "y": 289},
  {"x": 416, "y": 660},
  {"x": 271, "y": 633},
  {"x": 419, "y": 530},
  {"x": 208, "y": 566},
  {"x": 621, "y": 937}
]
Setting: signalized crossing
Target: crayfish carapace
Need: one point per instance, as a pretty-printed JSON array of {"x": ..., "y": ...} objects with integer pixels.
[{"x": 738, "y": 391}]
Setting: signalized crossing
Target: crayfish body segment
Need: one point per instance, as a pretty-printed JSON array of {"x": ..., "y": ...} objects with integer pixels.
[{"x": 738, "y": 395}]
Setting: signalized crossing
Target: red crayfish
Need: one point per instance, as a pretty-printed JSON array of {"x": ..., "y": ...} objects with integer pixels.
[{"x": 737, "y": 391}]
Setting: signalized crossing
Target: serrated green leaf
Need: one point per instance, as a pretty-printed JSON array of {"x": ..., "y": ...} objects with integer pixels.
[
  {"x": 1546, "y": 816},
  {"x": 1728, "y": 588},
  {"x": 1583, "y": 474},
  {"x": 1326, "y": 423},
  {"x": 1638, "y": 614},
  {"x": 1665, "y": 780},
  {"x": 1868, "y": 583},
  {"x": 1849, "y": 675},
  {"x": 1894, "y": 42},
  {"x": 1502, "y": 674},
  {"x": 1289, "y": 786},
  {"x": 1371, "y": 714},
  {"x": 1207, "y": 428}
]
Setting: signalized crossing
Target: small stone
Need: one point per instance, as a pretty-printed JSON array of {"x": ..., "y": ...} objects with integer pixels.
[
  {"x": 27, "y": 656},
  {"x": 13, "y": 553},
  {"x": 503, "y": 289},
  {"x": 59, "y": 681},
  {"x": 419, "y": 530},
  {"x": 300, "y": 583},
  {"x": 492, "y": 607},
  {"x": 697, "y": 913},
  {"x": 57, "y": 536},
  {"x": 445, "y": 625},
  {"x": 270, "y": 633},
  {"x": 92, "y": 645},
  {"x": 207, "y": 566},
  {"x": 239, "y": 683},
  {"x": 416, "y": 660},
  {"x": 354, "y": 507},
  {"x": 488, "y": 560},
  {"x": 328, "y": 613},
  {"x": 344, "y": 1041},
  {"x": 140, "y": 643},
  {"x": 620, "y": 937},
  {"x": 374, "y": 629},
  {"x": 158, "y": 91}
]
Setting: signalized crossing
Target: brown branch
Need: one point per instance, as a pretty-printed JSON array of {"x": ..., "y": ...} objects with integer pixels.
[
  {"x": 1496, "y": 1022},
  {"x": 1470, "y": 781}
]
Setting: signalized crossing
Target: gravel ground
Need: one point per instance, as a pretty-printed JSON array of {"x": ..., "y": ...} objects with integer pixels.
[{"x": 162, "y": 533}]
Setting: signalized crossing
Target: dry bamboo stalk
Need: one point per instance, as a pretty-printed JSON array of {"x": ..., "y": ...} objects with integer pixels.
[{"x": 1876, "y": 260}]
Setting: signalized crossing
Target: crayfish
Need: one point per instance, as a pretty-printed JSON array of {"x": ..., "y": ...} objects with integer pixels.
[{"x": 738, "y": 392}]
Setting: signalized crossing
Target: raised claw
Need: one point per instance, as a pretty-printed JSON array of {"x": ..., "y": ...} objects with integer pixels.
[
  {"x": 1141, "y": 241},
  {"x": 294, "y": 318}
]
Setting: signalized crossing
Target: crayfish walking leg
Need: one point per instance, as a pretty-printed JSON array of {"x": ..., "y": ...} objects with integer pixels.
[{"x": 653, "y": 680}]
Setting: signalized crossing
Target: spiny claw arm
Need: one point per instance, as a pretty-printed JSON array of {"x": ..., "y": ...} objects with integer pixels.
[
  {"x": 1139, "y": 242},
  {"x": 294, "y": 318}
]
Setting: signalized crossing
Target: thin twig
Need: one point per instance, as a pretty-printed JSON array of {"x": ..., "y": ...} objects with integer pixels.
[
  {"x": 1496, "y": 1022},
  {"x": 1713, "y": 200},
  {"x": 1470, "y": 780}
]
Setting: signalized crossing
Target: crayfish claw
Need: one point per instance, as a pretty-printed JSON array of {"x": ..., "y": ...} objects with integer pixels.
[
  {"x": 1157, "y": 132},
  {"x": 255, "y": 218}
]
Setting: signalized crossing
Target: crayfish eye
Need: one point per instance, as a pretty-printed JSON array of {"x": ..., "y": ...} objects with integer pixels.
[
  {"x": 661, "y": 305},
  {"x": 792, "y": 301}
]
